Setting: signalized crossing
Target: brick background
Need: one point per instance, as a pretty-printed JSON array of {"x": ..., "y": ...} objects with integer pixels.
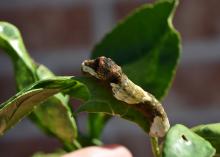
[
  {"x": 195, "y": 20},
  {"x": 197, "y": 84},
  {"x": 60, "y": 34},
  {"x": 51, "y": 27},
  {"x": 198, "y": 19},
  {"x": 28, "y": 147}
]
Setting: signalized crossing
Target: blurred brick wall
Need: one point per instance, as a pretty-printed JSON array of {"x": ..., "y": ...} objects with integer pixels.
[
  {"x": 51, "y": 27},
  {"x": 60, "y": 34}
]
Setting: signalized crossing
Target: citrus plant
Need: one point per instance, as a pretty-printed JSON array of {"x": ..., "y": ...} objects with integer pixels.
[{"x": 146, "y": 48}]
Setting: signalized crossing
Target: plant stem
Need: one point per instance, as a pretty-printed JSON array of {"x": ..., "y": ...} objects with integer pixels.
[{"x": 155, "y": 146}]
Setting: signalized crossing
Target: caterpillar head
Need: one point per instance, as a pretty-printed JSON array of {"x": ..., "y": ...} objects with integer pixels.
[{"x": 103, "y": 68}]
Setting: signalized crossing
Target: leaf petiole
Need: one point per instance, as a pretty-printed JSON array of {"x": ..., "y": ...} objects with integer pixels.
[{"x": 155, "y": 146}]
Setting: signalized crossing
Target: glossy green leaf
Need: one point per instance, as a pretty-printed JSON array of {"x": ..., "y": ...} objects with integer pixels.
[
  {"x": 96, "y": 97},
  {"x": 182, "y": 142},
  {"x": 53, "y": 116},
  {"x": 96, "y": 122},
  {"x": 12, "y": 43},
  {"x": 210, "y": 132},
  {"x": 20, "y": 105},
  {"x": 147, "y": 47},
  {"x": 102, "y": 100},
  {"x": 24, "y": 102}
]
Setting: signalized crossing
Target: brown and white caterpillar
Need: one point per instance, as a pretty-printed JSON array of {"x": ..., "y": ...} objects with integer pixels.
[{"x": 125, "y": 90}]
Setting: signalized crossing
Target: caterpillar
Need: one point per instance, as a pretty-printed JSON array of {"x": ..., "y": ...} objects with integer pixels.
[{"x": 123, "y": 89}]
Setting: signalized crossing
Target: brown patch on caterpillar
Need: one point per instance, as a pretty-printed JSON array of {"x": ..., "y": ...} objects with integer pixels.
[
  {"x": 147, "y": 109},
  {"x": 155, "y": 113}
]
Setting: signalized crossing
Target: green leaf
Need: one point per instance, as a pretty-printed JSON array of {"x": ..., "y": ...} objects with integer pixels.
[
  {"x": 102, "y": 100},
  {"x": 24, "y": 102},
  {"x": 57, "y": 153},
  {"x": 96, "y": 122},
  {"x": 147, "y": 46},
  {"x": 48, "y": 155},
  {"x": 182, "y": 142},
  {"x": 12, "y": 43},
  {"x": 210, "y": 132},
  {"x": 92, "y": 92},
  {"x": 54, "y": 116}
]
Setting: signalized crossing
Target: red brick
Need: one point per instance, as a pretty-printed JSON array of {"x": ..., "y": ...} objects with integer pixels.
[
  {"x": 198, "y": 19},
  {"x": 198, "y": 84},
  {"x": 194, "y": 19},
  {"x": 27, "y": 147},
  {"x": 8, "y": 89},
  {"x": 123, "y": 8},
  {"x": 51, "y": 27}
]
